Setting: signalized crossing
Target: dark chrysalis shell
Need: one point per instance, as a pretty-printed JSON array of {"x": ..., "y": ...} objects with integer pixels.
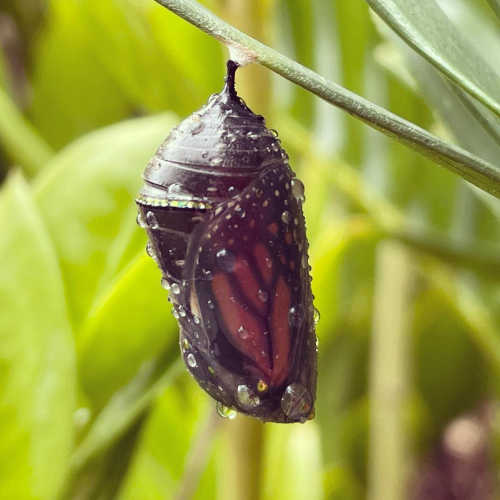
[{"x": 222, "y": 210}]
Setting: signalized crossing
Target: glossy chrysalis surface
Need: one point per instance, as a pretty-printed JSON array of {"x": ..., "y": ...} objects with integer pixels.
[{"x": 223, "y": 214}]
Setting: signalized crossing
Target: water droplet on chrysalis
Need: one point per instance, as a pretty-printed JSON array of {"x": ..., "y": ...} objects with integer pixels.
[
  {"x": 152, "y": 221},
  {"x": 225, "y": 411},
  {"x": 296, "y": 315},
  {"x": 198, "y": 128},
  {"x": 296, "y": 402},
  {"x": 246, "y": 397},
  {"x": 242, "y": 333},
  {"x": 316, "y": 316},
  {"x": 285, "y": 216},
  {"x": 226, "y": 260},
  {"x": 191, "y": 360},
  {"x": 140, "y": 220},
  {"x": 298, "y": 190}
]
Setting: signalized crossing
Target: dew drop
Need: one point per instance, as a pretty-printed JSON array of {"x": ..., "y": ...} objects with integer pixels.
[
  {"x": 262, "y": 295},
  {"x": 246, "y": 397},
  {"x": 191, "y": 360},
  {"x": 285, "y": 216},
  {"x": 175, "y": 313},
  {"x": 151, "y": 220},
  {"x": 226, "y": 260},
  {"x": 316, "y": 316},
  {"x": 150, "y": 250},
  {"x": 298, "y": 190},
  {"x": 210, "y": 304},
  {"x": 178, "y": 190},
  {"x": 196, "y": 320},
  {"x": 268, "y": 262},
  {"x": 240, "y": 212},
  {"x": 242, "y": 333},
  {"x": 175, "y": 288},
  {"x": 208, "y": 275},
  {"x": 140, "y": 220},
  {"x": 274, "y": 132},
  {"x": 165, "y": 284},
  {"x": 232, "y": 191},
  {"x": 296, "y": 315},
  {"x": 225, "y": 411},
  {"x": 296, "y": 402},
  {"x": 303, "y": 261},
  {"x": 182, "y": 312},
  {"x": 216, "y": 161},
  {"x": 198, "y": 128}
]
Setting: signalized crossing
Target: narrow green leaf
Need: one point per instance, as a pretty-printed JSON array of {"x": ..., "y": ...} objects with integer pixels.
[
  {"x": 37, "y": 359},
  {"x": 126, "y": 407},
  {"x": 495, "y": 7},
  {"x": 425, "y": 27},
  {"x": 176, "y": 443},
  {"x": 20, "y": 139},
  {"x": 104, "y": 167},
  {"x": 461, "y": 162}
]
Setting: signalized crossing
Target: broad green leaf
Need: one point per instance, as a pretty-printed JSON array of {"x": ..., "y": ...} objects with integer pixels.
[
  {"x": 37, "y": 359},
  {"x": 71, "y": 93},
  {"x": 425, "y": 27},
  {"x": 19, "y": 138},
  {"x": 86, "y": 195},
  {"x": 139, "y": 50},
  {"x": 128, "y": 325}
]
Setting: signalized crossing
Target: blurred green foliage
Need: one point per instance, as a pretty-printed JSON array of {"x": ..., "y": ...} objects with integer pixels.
[{"x": 94, "y": 402}]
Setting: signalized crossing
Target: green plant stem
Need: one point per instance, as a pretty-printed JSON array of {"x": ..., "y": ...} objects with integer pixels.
[
  {"x": 388, "y": 457},
  {"x": 473, "y": 169},
  {"x": 240, "y": 470}
]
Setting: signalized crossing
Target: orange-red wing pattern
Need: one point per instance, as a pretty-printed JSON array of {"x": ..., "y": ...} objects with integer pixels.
[{"x": 253, "y": 272}]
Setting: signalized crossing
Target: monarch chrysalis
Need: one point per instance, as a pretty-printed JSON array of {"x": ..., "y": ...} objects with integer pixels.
[{"x": 223, "y": 214}]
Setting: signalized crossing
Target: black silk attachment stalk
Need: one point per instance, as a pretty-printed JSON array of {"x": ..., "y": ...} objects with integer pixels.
[{"x": 223, "y": 213}]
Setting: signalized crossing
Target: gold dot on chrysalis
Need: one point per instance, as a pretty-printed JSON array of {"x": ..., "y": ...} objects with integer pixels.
[{"x": 261, "y": 386}]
